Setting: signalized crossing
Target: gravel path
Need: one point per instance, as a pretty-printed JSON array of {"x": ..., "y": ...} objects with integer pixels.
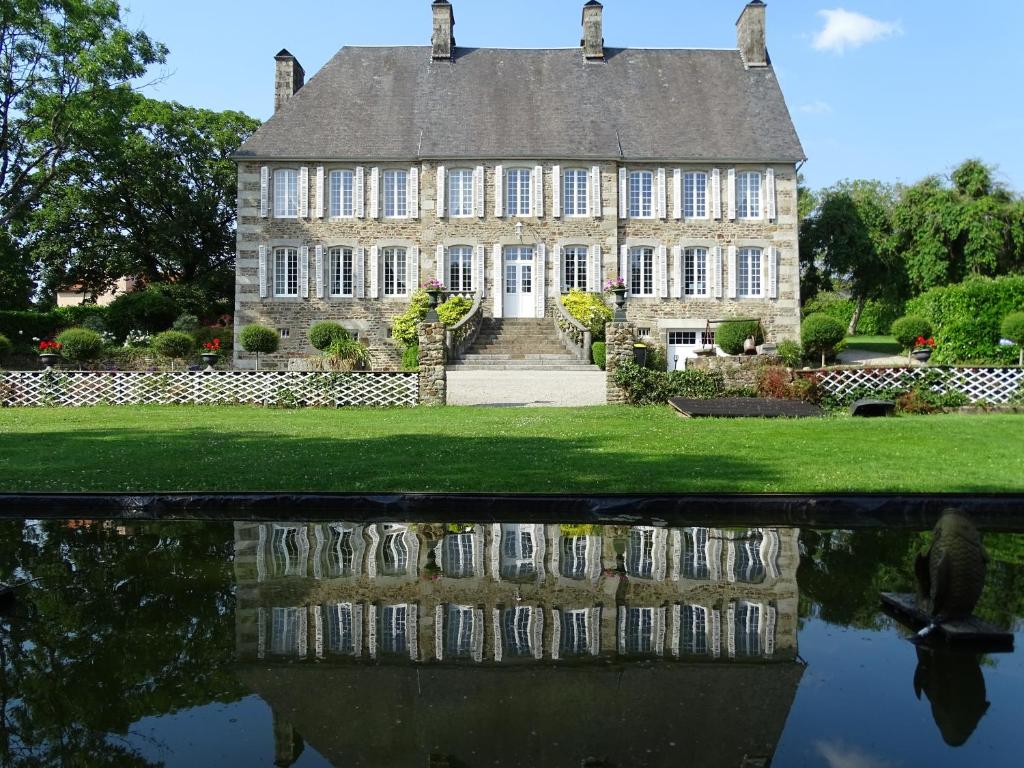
[{"x": 526, "y": 388}]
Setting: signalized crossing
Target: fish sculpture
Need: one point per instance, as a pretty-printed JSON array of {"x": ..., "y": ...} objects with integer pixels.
[
  {"x": 951, "y": 573},
  {"x": 955, "y": 688}
]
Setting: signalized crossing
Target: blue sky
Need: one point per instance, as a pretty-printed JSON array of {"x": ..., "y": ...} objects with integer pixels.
[{"x": 887, "y": 90}]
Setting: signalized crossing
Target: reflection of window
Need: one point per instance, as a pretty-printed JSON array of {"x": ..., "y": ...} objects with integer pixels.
[
  {"x": 639, "y": 630},
  {"x": 749, "y": 564},
  {"x": 286, "y": 272},
  {"x": 340, "y": 623},
  {"x": 286, "y": 194},
  {"x": 394, "y": 553},
  {"x": 516, "y": 629},
  {"x": 694, "y": 619},
  {"x": 748, "y": 195},
  {"x": 393, "y": 637},
  {"x": 457, "y": 555},
  {"x": 575, "y": 633},
  {"x": 640, "y": 553},
  {"x": 284, "y": 632},
  {"x": 573, "y": 559},
  {"x": 287, "y": 551},
  {"x": 695, "y": 557},
  {"x": 748, "y": 629},
  {"x": 517, "y": 553},
  {"x": 459, "y": 631},
  {"x": 340, "y": 552}
]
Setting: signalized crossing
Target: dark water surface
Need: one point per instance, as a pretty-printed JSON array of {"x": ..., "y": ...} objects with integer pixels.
[{"x": 453, "y": 644}]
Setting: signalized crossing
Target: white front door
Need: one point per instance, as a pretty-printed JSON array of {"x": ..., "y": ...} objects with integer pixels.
[{"x": 519, "y": 282}]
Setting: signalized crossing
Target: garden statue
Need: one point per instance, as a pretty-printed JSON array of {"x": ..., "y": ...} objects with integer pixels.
[{"x": 951, "y": 574}]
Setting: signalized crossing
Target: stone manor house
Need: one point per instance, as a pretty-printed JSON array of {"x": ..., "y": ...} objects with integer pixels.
[{"x": 517, "y": 175}]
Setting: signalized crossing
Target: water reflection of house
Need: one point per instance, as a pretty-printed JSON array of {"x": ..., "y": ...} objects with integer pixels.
[{"x": 480, "y": 608}]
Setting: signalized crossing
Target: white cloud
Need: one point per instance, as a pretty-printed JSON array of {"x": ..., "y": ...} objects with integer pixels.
[
  {"x": 847, "y": 29},
  {"x": 842, "y": 756},
  {"x": 816, "y": 108}
]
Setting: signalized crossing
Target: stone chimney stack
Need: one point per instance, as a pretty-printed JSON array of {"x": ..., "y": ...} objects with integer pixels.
[
  {"x": 443, "y": 39},
  {"x": 750, "y": 35},
  {"x": 290, "y": 78},
  {"x": 593, "y": 30}
]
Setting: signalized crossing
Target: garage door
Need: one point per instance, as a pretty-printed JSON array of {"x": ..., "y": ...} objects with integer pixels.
[{"x": 683, "y": 344}]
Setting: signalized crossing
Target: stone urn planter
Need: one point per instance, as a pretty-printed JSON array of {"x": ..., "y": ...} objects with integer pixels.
[
  {"x": 210, "y": 359},
  {"x": 922, "y": 355},
  {"x": 619, "y": 297},
  {"x": 49, "y": 360}
]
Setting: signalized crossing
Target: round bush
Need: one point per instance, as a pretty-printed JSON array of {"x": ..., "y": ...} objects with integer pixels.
[
  {"x": 325, "y": 333},
  {"x": 821, "y": 334},
  {"x": 80, "y": 344},
  {"x": 589, "y": 309},
  {"x": 260, "y": 340},
  {"x": 176, "y": 345},
  {"x": 453, "y": 310},
  {"x": 1013, "y": 328},
  {"x": 187, "y": 323},
  {"x": 731, "y": 335},
  {"x": 599, "y": 352},
  {"x": 908, "y": 329},
  {"x": 5, "y": 346}
]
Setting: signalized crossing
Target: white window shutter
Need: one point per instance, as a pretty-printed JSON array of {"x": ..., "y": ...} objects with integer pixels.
[
  {"x": 440, "y": 265},
  {"x": 769, "y": 193},
  {"x": 662, "y": 202},
  {"x": 499, "y": 283},
  {"x": 360, "y": 192},
  {"x": 716, "y": 193},
  {"x": 556, "y": 191},
  {"x": 304, "y": 272},
  {"x": 319, "y": 191},
  {"x": 732, "y": 194},
  {"x": 732, "y": 271},
  {"x": 499, "y": 197},
  {"x": 374, "y": 194},
  {"x": 479, "y": 280},
  {"x": 624, "y": 266},
  {"x": 596, "y": 201},
  {"x": 478, "y": 191},
  {"x": 412, "y": 194},
  {"x": 539, "y": 277},
  {"x": 319, "y": 271},
  {"x": 374, "y": 273},
  {"x": 412, "y": 278},
  {"x": 594, "y": 269},
  {"x": 264, "y": 192},
  {"x": 716, "y": 271},
  {"x": 441, "y": 200},
  {"x": 662, "y": 271},
  {"x": 560, "y": 270},
  {"x": 538, "y": 192},
  {"x": 623, "y": 193},
  {"x": 677, "y": 271},
  {"x": 360, "y": 273},
  {"x": 263, "y": 272},
  {"x": 304, "y": 192},
  {"x": 773, "y": 273},
  {"x": 677, "y": 193}
]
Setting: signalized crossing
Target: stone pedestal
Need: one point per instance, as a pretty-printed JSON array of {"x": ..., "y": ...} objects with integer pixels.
[
  {"x": 433, "y": 376},
  {"x": 619, "y": 340}
]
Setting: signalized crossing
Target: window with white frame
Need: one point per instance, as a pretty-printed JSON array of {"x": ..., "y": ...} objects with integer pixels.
[
  {"x": 695, "y": 195},
  {"x": 639, "y": 630},
  {"x": 518, "y": 191},
  {"x": 393, "y": 622},
  {"x": 340, "y": 634},
  {"x": 694, "y": 621},
  {"x": 341, "y": 200},
  {"x": 748, "y": 265},
  {"x": 641, "y": 271},
  {"x": 286, "y": 272},
  {"x": 457, "y": 555},
  {"x": 572, "y": 562},
  {"x": 285, "y": 629},
  {"x": 575, "y": 635},
  {"x": 394, "y": 193},
  {"x": 695, "y": 555},
  {"x": 393, "y": 263},
  {"x": 516, "y": 624},
  {"x": 695, "y": 272},
  {"x": 341, "y": 271},
  {"x": 574, "y": 259},
  {"x": 575, "y": 192},
  {"x": 748, "y": 195},
  {"x": 458, "y": 630},
  {"x": 460, "y": 268},
  {"x": 640, "y": 553},
  {"x": 460, "y": 193},
  {"x": 286, "y": 194},
  {"x": 748, "y": 629},
  {"x": 641, "y": 194}
]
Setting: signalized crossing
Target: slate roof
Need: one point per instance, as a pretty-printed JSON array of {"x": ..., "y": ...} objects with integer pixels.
[{"x": 396, "y": 103}]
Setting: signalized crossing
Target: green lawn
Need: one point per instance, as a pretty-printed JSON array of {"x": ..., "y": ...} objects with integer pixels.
[
  {"x": 884, "y": 344},
  {"x": 584, "y": 450}
]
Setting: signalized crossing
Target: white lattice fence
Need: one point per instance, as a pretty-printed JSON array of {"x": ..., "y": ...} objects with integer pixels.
[
  {"x": 292, "y": 388},
  {"x": 993, "y": 385}
]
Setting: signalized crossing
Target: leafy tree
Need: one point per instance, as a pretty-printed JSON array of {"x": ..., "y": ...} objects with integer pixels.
[
  {"x": 174, "y": 345},
  {"x": 80, "y": 345},
  {"x": 258, "y": 339},
  {"x": 1013, "y": 329},
  {"x": 822, "y": 334},
  {"x": 16, "y": 273}
]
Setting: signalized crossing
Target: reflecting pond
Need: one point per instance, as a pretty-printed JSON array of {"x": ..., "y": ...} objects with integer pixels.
[{"x": 460, "y": 644}]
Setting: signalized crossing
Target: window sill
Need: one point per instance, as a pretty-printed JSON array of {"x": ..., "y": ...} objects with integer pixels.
[{"x": 285, "y": 218}]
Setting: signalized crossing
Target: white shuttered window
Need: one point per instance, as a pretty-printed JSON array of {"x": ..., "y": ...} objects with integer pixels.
[
  {"x": 460, "y": 268},
  {"x": 748, "y": 195},
  {"x": 641, "y": 271},
  {"x": 395, "y": 194},
  {"x": 641, "y": 194},
  {"x": 748, "y": 277},
  {"x": 575, "y": 272},
  {"x": 341, "y": 272},
  {"x": 518, "y": 187},
  {"x": 695, "y": 195},
  {"x": 394, "y": 269},
  {"x": 460, "y": 193},
  {"x": 286, "y": 194},
  {"x": 342, "y": 194},
  {"x": 576, "y": 192},
  {"x": 286, "y": 272}
]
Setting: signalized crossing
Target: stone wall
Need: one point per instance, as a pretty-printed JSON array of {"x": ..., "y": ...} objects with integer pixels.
[
  {"x": 739, "y": 371},
  {"x": 433, "y": 376},
  {"x": 619, "y": 340},
  {"x": 372, "y": 318}
]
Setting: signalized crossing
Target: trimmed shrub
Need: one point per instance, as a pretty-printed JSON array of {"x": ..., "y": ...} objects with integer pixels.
[
  {"x": 908, "y": 329},
  {"x": 259, "y": 340},
  {"x": 700, "y": 385},
  {"x": 1013, "y": 329},
  {"x": 21, "y": 327},
  {"x": 644, "y": 386},
  {"x": 403, "y": 327},
  {"x": 346, "y": 354},
  {"x": 732, "y": 334},
  {"x": 186, "y": 323},
  {"x": 598, "y": 351},
  {"x": 5, "y": 346},
  {"x": 590, "y": 310},
  {"x": 323, "y": 334},
  {"x": 411, "y": 358},
  {"x": 81, "y": 316},
  {"x": 80, "y": 345},
  {"x": 174, "y": 345},
  {"x": 791, "y": 352},
  {"x": 821, "y": 334},
  {"x": 875, "y": 320},
  {"x": 454, "y": 309}
]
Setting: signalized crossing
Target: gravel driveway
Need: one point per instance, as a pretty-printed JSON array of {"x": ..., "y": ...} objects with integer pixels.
[{"x": 526, "y": 388}]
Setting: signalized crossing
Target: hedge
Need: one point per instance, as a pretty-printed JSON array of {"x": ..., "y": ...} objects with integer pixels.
[
  {"x": 875, "y": 320},
  {"x": 967, "y": 318},
  {"x": 598, "y": 351}
]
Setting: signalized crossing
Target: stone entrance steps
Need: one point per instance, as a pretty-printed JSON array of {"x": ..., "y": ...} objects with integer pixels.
[{"x": 518, "y": 344}]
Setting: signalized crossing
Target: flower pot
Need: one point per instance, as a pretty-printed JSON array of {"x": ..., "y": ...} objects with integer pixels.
[
  {"x": 640, "y": 355},
  {"x": 619, "y": 294},
  {"x": 921, "y": 355},
  {"x": 49, "y": 361},
  {"x": 210, "y": 359},
  {"x": 434, "y": 297}
]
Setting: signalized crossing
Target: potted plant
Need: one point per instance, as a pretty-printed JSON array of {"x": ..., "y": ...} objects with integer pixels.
[
  {"x": 211, "y": 352},
  {"x": 434, "y": 289},
  {"x": 922, "y": 349},
  {"x": 617, "y": 288},
  {"x": 49, "y": 352}
]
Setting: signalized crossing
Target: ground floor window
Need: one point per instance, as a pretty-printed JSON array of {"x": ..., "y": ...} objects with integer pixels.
[
  {"x": 460, "y": 268},
  {"x": 641, "y": 271},
  {"x": 394, "y": 262},
  {"x": 695, "y": 272},
  {"x": 748, "y": 281},
  {"x": 286, "y": 272},
  {"x": 341, "y": 271},
  {"x": 575, "y": 264}
]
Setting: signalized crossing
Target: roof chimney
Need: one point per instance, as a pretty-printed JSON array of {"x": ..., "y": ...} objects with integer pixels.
[
  {"x": 750, "y": 35},
  {"x": 443, "y": 39},
  {"x": 290, "y": 78},
  {"x": 593, "y": 30}
]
